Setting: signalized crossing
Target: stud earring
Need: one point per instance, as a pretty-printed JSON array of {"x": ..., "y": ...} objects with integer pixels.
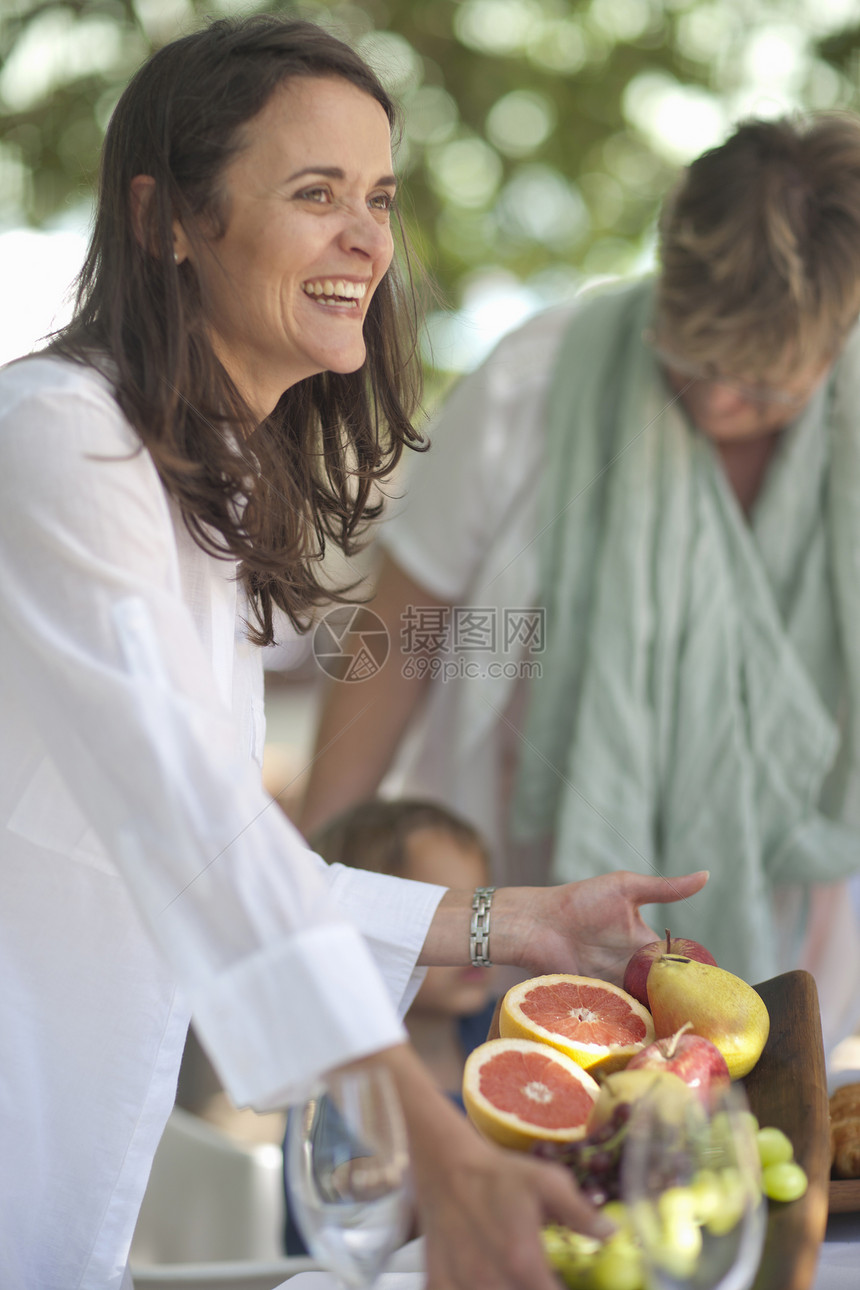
[{"x": 175, "y": 257}]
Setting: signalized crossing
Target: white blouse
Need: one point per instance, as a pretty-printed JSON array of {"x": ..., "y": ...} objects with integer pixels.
[{"x": 145, "y": 874}]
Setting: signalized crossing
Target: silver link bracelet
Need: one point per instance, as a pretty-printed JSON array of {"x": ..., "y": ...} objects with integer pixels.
[{"x": 479, "y": 928}]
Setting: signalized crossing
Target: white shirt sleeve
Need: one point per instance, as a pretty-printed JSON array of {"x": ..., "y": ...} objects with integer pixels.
[
  {"x": 278, "y": 955},
  {"x": 485, "y": 444}
]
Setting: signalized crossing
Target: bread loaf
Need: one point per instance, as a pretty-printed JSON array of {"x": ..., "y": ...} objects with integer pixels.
[{"x": 845, "y": 1131}]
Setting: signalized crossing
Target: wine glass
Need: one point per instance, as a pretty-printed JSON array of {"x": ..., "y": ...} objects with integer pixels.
[
  {"x": 347, "y": 1165},
  {"x": 691, "y": 1180}
]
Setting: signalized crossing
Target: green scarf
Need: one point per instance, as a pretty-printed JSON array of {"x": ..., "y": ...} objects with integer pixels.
[{"x": 698, "y": 700}]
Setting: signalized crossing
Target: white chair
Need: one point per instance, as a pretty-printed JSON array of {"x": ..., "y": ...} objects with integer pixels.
[{"x": 209, "y": 1200}]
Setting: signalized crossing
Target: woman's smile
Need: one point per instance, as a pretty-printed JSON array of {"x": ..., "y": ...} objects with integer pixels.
[{"x": 336, "y": 293}]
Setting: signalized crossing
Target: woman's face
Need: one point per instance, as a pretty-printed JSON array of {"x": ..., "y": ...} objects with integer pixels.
[{"x": 307, "y": 207}]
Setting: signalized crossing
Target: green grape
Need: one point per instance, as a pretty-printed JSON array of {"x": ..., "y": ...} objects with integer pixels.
[
  {"x": 707, "y": 1194},
  {"x": 566, "y": 1242},
  {"x": 720, "y": 1129},
  {"x": 724, "y": 1127},
  {"x": 784, "y": 1181},
  {"x": 727, "y": 1212},
  {"x": 645, "y": 1222},
  {"x": 553, "y": 1246},
  {"x": 618, "y": 1213},
  {"x": 571, "y": 1255},
  {"x": 679, "y": 1248},
  {"x": 676, "y": 1205},
  {"x": 618, "y": 1265},
  {"x": 774, "y": 1148}
]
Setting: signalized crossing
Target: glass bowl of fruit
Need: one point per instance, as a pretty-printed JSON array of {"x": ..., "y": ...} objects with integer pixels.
[{"x": 691, "y": 1183}]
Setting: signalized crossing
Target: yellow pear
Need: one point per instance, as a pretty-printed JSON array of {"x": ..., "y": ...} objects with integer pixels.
[
  {"x": 719, "y": 1006},
  {"x": 628, "y": 1086}
]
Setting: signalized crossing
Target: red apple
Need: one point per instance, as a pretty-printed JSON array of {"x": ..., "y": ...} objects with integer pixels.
[
  {"x": 636, "y": 972},
  {"x": 694, "y": 1059}
]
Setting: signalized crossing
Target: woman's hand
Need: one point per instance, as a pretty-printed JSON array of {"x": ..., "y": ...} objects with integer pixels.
[
  {"x": 483, "y": 1214},
  {"x": 481, "y": 1208},
  {"x": 590, "y": 928}
]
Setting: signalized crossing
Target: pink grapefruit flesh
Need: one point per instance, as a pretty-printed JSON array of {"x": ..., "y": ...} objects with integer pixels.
[
  {"x": 519, "y": 1092},
  {"x": 595, "y": 1022}
]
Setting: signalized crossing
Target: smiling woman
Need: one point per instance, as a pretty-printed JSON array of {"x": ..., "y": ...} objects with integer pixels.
[
  {"x": 240, "y": 173},
  {"x": 235, "y": 378}
]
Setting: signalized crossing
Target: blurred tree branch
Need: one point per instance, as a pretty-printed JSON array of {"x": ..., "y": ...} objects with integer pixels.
[{"x": 536, "y": 138}]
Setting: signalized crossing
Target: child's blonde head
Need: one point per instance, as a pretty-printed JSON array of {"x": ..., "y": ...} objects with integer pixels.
[{"x": 375, "y": 834}]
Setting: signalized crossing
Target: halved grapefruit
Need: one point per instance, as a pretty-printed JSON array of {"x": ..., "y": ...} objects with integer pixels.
[
  {"x": 519, "y": 1092},
  {"x": 596, "y": 1023}
]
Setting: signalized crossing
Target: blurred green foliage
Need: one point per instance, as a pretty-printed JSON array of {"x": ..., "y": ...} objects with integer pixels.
[{"x": 539, "y": 134}]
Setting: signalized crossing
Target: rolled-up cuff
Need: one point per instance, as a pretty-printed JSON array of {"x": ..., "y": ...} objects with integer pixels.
[
  {"x": 278, "y": 1020},
  {"x": 394, "y": 917}
]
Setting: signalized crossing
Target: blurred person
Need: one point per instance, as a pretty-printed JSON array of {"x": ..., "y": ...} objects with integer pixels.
[
  {"x": 234, "y": 380},
  {"x": 423, "y": 842},
  {"x": 669, "y": 470}
]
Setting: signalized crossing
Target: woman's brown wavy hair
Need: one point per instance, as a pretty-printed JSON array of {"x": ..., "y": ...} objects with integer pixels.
[{"x": 268, "y": 495}]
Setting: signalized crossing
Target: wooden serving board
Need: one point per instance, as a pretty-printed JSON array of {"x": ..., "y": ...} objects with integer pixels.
[
  {"x": 844, "y": 1195},
  {"x": 787, "y": 1088}
]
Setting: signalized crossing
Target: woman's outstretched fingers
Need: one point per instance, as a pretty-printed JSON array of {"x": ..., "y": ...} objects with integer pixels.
[{"x": 654, "y": 889}]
